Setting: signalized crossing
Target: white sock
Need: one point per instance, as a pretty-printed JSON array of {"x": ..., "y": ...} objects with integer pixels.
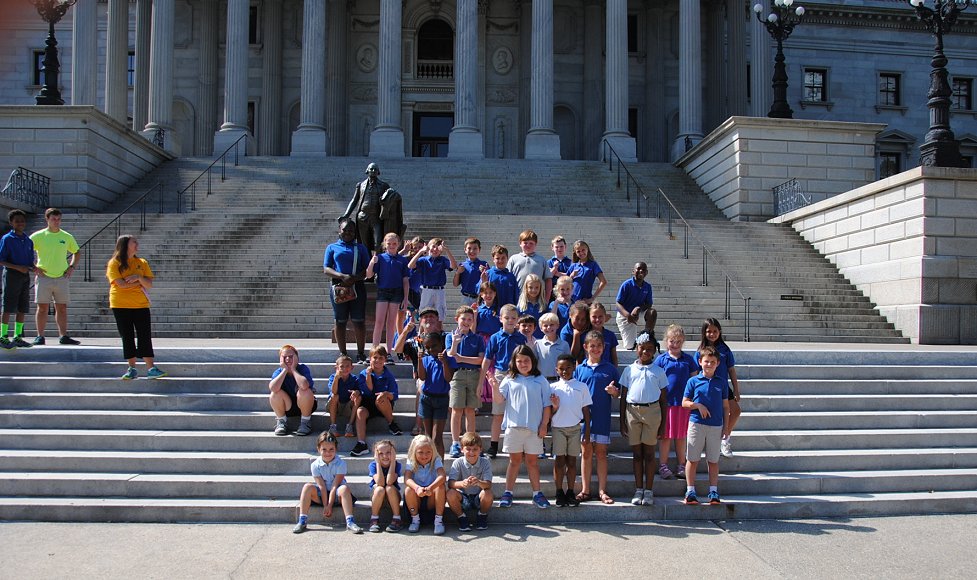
[
  {"x": 306, "y": 419},
  {"x": 639, "y": 490},
  {"x": 713, "y": 488},
  {"x": 415, "y": 518},
  {"x": 689, "y": 489},
  {"x": 438, "y": 519}
]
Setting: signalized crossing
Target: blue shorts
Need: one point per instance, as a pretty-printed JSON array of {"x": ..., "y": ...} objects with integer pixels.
[
  {"x": 433, "y": 407},
  {"x": 470, "y": 501},
  {"x": 601, "y": 439},
  {"x": 318, "y": 497},
  {"x": 354, "y": 310},
  {"x": 395, "y": 295},
  {"x": 374, "y": 484}
]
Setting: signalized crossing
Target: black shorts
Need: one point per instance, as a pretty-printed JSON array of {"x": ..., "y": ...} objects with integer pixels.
[
  {"x": 433, "y": 407},
  {"x": 294, "y": 411},
  {"x": 414, "y": 298},
  {"x": 16, "y": 292},
  {"x": 369, "y": 402}
]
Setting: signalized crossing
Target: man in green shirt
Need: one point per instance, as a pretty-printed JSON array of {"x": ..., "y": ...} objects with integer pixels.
[{"x": 52, "y": 246}]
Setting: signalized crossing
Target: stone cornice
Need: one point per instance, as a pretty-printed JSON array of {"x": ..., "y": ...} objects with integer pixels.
[{"x": 899, "y": 17}]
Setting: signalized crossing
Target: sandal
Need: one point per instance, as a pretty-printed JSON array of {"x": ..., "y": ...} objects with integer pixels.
[
  {"x": 606, "y": 499},
  {"x": 582, "y": 497}
]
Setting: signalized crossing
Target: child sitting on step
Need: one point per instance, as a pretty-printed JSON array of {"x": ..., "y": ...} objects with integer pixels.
[
  {"x": 330, "y": 489},
  {"x": 385, "y": 485},
  {"x": 378, "y": 392},
  {"x": 425, "y": 482},
  {"x": 344, "y": 395}
]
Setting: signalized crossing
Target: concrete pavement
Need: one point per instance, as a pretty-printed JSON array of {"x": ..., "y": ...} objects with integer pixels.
[{"x": 903, "y": 547}]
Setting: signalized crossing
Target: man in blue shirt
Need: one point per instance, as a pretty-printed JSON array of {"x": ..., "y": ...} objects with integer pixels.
[
  {"x": 634, "y": 298},
  {"x": 345, "y": 261}
]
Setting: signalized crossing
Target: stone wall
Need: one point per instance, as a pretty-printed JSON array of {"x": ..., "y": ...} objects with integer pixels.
[
  {"x": 740, "y": 163},
  {"x": 909, "y": 243},
  {"x": 90, "y": 158}
]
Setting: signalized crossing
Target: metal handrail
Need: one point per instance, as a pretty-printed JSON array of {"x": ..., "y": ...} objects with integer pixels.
[
  {"x": 192, "y": 188},
  {"x": 117, "y": 220},
  {"x": 28, "y": 187},
  {"x": 669, "y": 208}
]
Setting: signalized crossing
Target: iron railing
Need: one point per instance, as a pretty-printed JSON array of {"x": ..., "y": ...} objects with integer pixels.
[
  {"x": 26, "y": 186},
  {"x": 117, "y": 222},
  {"x": 788, "y": 196},
  {"x": 191, "y": 189},
  {"x": 665, "y": 207}
]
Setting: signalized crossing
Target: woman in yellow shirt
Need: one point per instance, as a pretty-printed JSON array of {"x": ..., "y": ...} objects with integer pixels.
[{"x": 129, "y": 279}]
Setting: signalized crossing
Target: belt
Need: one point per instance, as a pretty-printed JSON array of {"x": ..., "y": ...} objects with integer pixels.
[
  {"x": 551, "y": 379},
  {"x": 466, "y": 369},
  {"x": 435, "y": 395},
  {"x": 643, "y": 404},
  {"x": 433, "y": 287},
  {"x": 472, "y": 296}
]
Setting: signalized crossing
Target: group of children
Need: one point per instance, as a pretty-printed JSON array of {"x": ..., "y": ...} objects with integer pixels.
[{"x": 534, "y": 344}]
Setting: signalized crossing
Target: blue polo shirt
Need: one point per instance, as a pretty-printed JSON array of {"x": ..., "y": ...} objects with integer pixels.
[
  {"x": 525, "y": 399},
  {"x": 391, "y": 271},
  {"x": 562, "y": 312},
  {"x": 16, "y": 249},
  {"x": 343, "y": 387},
  {"x": 677, "y": 371},
  {"x": 597, "y": 378},
  {"x": 533, "y": 310},
  {"x": 339, "y": 257},
  {"x": 433, "y": 270},
  {"x": 565, "y": 264},
  {"x": 469, "y": 344},
  {"x": 329, "y": 471},
  {"x": 726, "y": 360},
  {"x": 487, "y": 320},
  {"x": 583, "y": 283},
  {"x": 415, "y": 280},
  {"x": 383, "y": 383},
  {"x": 471, "y": 275},
  {"x": 288, "y": 385},
  {"x": 709, "y": 392},
  {"x": 507, "y": 291},
  {"x": 630, "y": 295},
  {"x": 435, "y": 383},
  {"x": 500, "y": 347},
  {"x": 610, "y": 340}
]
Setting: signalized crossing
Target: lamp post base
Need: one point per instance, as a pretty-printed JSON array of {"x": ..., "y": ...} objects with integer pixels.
[{"x": 940, "y": 154}]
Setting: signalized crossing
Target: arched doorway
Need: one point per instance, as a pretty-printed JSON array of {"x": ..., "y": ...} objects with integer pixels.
[{"x": 432, "y": 84}]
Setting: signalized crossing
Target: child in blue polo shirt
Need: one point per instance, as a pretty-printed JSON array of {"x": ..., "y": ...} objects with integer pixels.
[
  {"x": 585, "y": 271},
  {"x": 601, "y": 379},
  {"x": 498, "y": 353},
  {"x": 560, "y": 262},
  {"x": 679, "y": 367},
  {"x": 487, "y": 320},
  {"x": 378, "y": 392},
  {"x": 706, "y": 395},
  {"x": 330, "y": 489},
  {"x": 576, "y": 328},
  {"x": 469, "y": 272},
  {"x": 433, "y": 267},
  {"x": 598, "y": 317},
  {"x": 393, "y": 284},
  {"x": 436, "y": 376},
  {"x": 563, "y": 299},
  {"x": 466, "y": 351},
  {"x": 344, "y": 395},
  {"x": 712, "y": 335},
  {"x": 17, "y": 260},
  {"x": 634, "y": 297},
  {"x": 506, "y": 287}
]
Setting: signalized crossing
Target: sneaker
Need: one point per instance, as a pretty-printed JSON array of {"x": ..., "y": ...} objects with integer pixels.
[
  {"x": 280, "y": 428},
  {"x": 375, "y": 527},
  {"x": 713, "y": 498},
  {"x": 639, "y": 495},
  {"x": 726, "y": 447},
  {"x": 395, "y": 526},
  {"x": 506, "y": 500},
  {"x": 390, "y": 360},
  {"x": 38, "y": 341},
  {"x": 649, "y": 498},
  {"x": 352, "y": 527},
  {"x": 691, "y": 499},
  {"x": 455, "y": 451},
  {"x": 361, "y": 359},
  {"x": 493, "y": 453},
  {"x": 414, "y": 527},
  {"x": 349, "y": 431},
  {"x": 481, "y": 522},
  {"x": 334, "y": 431},
  {"x": 155, "y": 373},
  {"x": 299, "y": 528},
  {"x": 130, "y": 374},
  {"x": 68, "y": 340},
  {"x": 360, "y": 449},
  {"x": 438, "y": 528},
  {"x": 540, "y": 501},
  {"x": 463, "y": 524},
  {"x": 21, "y": 343},
  {"x": 5, "y": 343},
  {"x": 394, "y": 428},
  {"x": 572, "y": 500},
  {"x": 680, "y": 474},
  {"x": 664, "y": 472},
  {"x": 304, "y": 429},
  {"x": 561, "y": 498},
  {"x": 543, "y": 455}
]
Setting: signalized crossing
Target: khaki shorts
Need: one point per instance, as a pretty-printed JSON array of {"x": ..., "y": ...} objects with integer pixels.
[
  {"x": 499, "y": 408},
  {"x": 48, "y": 290},
  {"x": 566, "y": 441},
  {"x": 643, "y": 424},
  {"x": 704, "y": 438},
  {"x": 464, "y": 390},
  {"x": 522, "y": 440}
]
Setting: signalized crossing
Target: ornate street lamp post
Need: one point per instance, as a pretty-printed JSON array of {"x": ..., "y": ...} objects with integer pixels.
[
  {"x": 51, "y": 11},
  {"x": 780, "y": 23},
  {"x": 940, "y": 148}
]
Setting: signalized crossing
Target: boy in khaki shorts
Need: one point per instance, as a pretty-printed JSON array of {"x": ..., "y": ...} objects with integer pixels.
[
  {"x": 643, "y": 387},
  {"x": 466, "y": 350},
  {"x": 571, "y": 403},
  {"x": 53, "y": 271}
]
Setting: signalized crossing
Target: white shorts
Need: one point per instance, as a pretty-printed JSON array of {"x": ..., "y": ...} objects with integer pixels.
[
  {"x": 434, "y": 299},
  {"x": 704, "y": 438},
  {"x": 522, "y": 440},
  {"x": 629, "y": 331},
  {"x": 48, "y": 290}
]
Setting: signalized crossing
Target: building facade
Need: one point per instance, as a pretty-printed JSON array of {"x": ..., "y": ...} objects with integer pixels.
[{"x": 484, "y": 78}]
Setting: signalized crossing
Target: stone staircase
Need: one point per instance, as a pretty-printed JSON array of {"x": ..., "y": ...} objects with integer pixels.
[
  {"x": 248, "y": 260},
  {"x": 825, "y": 432}
]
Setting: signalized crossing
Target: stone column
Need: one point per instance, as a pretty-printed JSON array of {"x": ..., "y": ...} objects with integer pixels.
[
  {"x": 387, "y": 139},
  {"x": 116, "y": 59},
  {"x": 465, "y": 140},
  {"x": 207, "y": 82},
  {"x": 690, "y": 78},
  {"x": 336, "y": 112},
  {"x": 655, "y": 127},
  {"x": 235, "y": 77},
  {"x": 542, "y": 142},
  {"x": 140, "y": 93},
  {"x": 270, "y": 135},
  {"x": 310, "y": 137},
  {"x": 761, "y": 69},
  {"x": 616, "y": 111},
  {"x": 84, "y": 53},
  {"x": 736, "y": 15},
  {"x": 593, "y": 87},
  {"x": 714, "y": 97},
  {"x": 161, "y": 77}
]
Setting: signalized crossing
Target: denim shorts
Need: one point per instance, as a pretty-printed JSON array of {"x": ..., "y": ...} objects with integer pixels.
[
  {"x": 354, "y": 310},
  {"x": 433, "y": 407},
  {"x": 395, "y": 295}
]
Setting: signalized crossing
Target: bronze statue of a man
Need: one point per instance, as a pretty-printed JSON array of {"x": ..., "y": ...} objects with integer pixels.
[{"x": 376, "y": 209}]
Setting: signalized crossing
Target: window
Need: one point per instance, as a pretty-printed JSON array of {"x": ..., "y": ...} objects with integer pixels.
[
  {"x": 632, "y": 33},
  {"x": 37, "y": 67},
  {"x": 131, "y": 73},
  {"x": 253, "y": 27},
  {"x": 889, "y": 90},
  {"x": 815, "y": 85},
  {"x": 890, "y": 163},
  {"x": 962, "y": 97}
]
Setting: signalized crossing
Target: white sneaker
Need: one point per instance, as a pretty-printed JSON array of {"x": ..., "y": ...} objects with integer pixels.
[
  {"x": 438, "y": 528},
  {"x": 639, "y": 495},
  {"x": 649, "y": 498},
  {"x": 726, "y": 447},
  {"x": 414, "y": 527}
]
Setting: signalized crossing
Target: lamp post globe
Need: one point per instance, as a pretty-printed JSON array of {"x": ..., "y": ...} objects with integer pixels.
[{"x": 51, "y": 11}]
